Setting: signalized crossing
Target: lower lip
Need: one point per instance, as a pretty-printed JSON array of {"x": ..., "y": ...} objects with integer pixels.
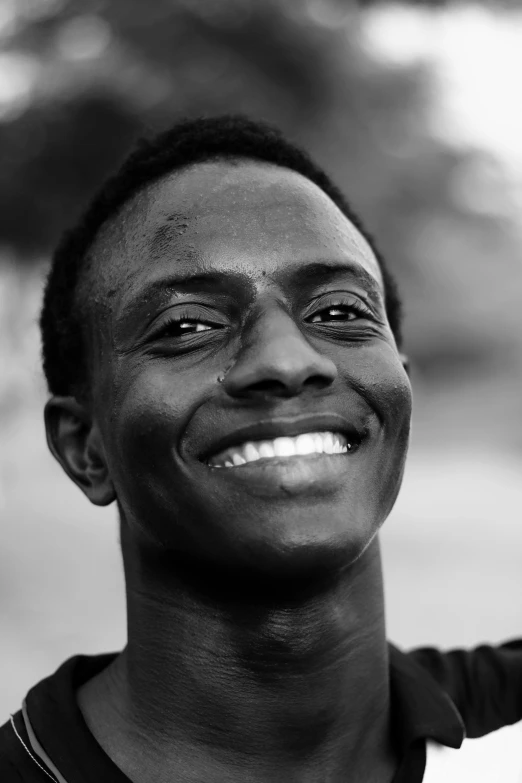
[{"x": 309, "y": 474}]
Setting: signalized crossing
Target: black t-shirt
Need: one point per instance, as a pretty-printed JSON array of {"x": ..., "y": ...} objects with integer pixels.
[{"x": 440, "y": 701}]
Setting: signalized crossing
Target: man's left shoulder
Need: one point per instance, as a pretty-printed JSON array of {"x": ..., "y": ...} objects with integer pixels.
[{"x": 484, "y": 683}]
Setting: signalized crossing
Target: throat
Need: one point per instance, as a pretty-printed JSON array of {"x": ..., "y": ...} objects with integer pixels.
[{"x": 298, "y": 691}]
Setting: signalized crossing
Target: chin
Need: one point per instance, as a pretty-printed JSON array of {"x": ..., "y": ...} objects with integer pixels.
[
  {"x": 261, "y": 547},
  {"x": 319, "y": 555},
  {"x": 290, "y": 559}
]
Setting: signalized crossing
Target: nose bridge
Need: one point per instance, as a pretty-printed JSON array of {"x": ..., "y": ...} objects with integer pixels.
[
  {"x": 276, "y": 357},
  {"x": 271, "y": 326}
]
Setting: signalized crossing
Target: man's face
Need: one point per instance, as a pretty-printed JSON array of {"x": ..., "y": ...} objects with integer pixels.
[{"x": 250, "y": 271}]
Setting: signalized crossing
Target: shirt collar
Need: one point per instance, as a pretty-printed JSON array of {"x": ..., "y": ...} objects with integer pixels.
[{"x": 420, "y": 708}]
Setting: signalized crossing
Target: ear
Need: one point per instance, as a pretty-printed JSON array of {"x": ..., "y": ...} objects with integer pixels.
[
  {"x": 75, "y": 440},
  {"x": 405, "y": 363}
]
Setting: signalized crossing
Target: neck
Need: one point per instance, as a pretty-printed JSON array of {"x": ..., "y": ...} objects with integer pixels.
[{"x": 294, "y": 688}]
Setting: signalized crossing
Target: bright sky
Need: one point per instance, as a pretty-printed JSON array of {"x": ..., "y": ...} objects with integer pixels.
[{"x": 477, "y": 58}]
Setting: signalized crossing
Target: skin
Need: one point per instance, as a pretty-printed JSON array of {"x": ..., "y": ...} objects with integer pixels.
[{"x": 256, "y": 632}]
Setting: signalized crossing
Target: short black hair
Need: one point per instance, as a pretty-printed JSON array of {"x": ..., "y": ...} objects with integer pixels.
[{"x": 62, "y": 319}]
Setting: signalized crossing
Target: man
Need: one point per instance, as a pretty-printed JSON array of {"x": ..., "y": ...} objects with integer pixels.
[{"x": 221, "y": 341}]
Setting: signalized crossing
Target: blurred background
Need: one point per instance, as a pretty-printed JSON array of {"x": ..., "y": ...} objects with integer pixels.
[{"x": 415, "y": 110}]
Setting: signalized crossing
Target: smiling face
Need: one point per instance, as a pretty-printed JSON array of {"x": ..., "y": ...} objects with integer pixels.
[{"x": 247, "y": 271}]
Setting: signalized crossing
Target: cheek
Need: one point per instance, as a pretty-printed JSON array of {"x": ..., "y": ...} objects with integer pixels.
[
  {"x": 396, "y": 398},
  {"x": 385, "y": 385},
  {"x": 148, "y": 418}
]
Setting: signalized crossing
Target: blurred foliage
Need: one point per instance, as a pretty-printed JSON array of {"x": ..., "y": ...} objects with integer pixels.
[{"x": 95, "y": 74}]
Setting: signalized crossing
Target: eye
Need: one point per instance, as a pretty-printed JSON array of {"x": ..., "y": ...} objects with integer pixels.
[
  {"x": 175, "y": 327},
  {"x": 341, "y": 311},
  {"x": 183, "y": 323}
]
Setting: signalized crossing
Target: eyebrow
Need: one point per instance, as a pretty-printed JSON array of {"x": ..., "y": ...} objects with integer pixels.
[
  {"x": 196, "y": 282},
  {"x": 328, "y": 271},
  {"x": 215, "y": 282}
]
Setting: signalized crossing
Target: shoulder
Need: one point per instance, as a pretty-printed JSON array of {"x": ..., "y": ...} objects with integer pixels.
[
  {"x": 484, "y": 683},
  {"x": 16, "y": 766},
  {"x": 55, "y": 721}
]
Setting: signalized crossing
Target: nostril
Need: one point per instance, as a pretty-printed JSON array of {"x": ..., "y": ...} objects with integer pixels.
[
  {"x": 318, "y": 381},
  {"x": 281, "y": 389},
  {"x": 268, "y": 386}
]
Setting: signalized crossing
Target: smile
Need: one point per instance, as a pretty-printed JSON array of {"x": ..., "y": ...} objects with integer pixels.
[{"x": 308, "y": 443}]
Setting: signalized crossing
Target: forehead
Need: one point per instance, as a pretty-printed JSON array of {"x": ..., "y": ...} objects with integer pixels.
[{"x": 242, "y": 215}]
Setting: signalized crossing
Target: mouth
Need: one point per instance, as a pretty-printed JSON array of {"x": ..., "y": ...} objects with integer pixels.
[
  {"x": 307, "y": 456},
  {"x": 286, "y": 439},
  {"x": 307, "y": 444}
]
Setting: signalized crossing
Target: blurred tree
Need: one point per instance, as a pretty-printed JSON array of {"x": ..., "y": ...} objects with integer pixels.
[
  {"x": 110, "y": 70},
  {"x": 54, "y": 156}
]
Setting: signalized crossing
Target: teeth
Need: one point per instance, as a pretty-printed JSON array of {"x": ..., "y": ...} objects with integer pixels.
[
  {"x": 284, "y": 447},
  {"x": 307, "y": 443},
  {"x": 319, "y": 443},
  {"x": 264, "y": 449},
  {"x": 329, "y": 443},
  {"x": 251, "y": 453}
]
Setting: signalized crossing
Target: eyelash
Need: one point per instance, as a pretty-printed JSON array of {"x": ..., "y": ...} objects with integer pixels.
[
  {"x": 185, "y": 317},
  {"x": 355, "y": 305}
]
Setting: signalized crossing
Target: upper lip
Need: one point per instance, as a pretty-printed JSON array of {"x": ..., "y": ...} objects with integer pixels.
[{"x": 268, "y": 429}]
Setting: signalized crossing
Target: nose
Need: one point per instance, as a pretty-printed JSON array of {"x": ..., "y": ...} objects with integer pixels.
[{"x": 277, "y": 360}]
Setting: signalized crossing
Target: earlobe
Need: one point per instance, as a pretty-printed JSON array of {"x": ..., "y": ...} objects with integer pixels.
[
  {"x": 405, "y": 363},
  {"x": 75, "y": 441}
]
